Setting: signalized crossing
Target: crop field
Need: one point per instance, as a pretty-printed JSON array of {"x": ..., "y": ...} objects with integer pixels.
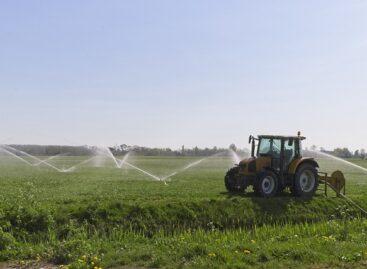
[{"x": 106, "y": 217}]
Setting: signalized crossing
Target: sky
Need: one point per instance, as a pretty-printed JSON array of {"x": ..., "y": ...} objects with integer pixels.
[{"x": 170, "y": 73}]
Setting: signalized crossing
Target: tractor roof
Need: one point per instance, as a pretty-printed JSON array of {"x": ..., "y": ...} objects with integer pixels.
[{"x": 282, "y": 137}]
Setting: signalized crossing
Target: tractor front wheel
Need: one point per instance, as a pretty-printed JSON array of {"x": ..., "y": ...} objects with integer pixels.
[
  {"x": 305, "y": 181},
  {"x": 230, "y": 180},
  {"x": 267, "y": 184}
]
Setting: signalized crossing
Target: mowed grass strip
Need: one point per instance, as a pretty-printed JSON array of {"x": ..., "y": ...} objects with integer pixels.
[{"x": 332, "y": 244}]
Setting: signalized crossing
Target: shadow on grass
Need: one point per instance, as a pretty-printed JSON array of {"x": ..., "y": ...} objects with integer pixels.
[
  {"x": 284, "y": 195},
  {"x": 281, "y": 206}
]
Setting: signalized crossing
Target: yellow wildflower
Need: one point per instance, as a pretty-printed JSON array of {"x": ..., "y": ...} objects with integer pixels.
[
  {"x": 253, "y": 241},
  {"x": 212, "y": 255},
  {"x": 246, "y": 251}
]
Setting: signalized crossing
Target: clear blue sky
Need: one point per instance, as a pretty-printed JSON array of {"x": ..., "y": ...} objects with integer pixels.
[{"x": 167, "y": 73}]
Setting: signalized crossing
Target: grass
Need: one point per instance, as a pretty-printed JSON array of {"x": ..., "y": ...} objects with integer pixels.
[{"x": 108, "y": 217}]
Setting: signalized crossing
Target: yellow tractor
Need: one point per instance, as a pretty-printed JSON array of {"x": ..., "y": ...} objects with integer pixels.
[{"x": 276, "y": 163}]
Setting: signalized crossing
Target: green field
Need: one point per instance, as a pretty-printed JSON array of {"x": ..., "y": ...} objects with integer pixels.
[{"x": 110, "y": 217}]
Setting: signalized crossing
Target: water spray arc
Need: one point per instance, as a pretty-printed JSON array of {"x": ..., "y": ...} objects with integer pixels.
[
  {"x": 119, "y": 163},
  {"x": 49, "y": 159},
  {"x": 124, "y": 159},
  {"x": 143, "y": 171},
  {"x": 9, "y": 148},
  {"x": 103, "y": 150},
  {"x": 339, "y": 159},
  {"x": 15, "y": 156},
  {"x": 183, "y": 169},
  {"x": 72, "y": 168},
  {"x": 190, "y": 165},
  {"x": 235, "y": 157},
  {"x": 125, "y": 162}
]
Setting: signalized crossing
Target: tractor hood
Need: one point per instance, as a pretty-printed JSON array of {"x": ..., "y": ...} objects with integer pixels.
[
  {"x": 246, "y": 161},
  {"x": 254, "y": 164}
]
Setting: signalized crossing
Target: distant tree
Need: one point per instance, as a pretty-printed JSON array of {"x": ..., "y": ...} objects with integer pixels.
[
  {"x": 362, "y": 153},
  {"x": 233, "y": 147},
  {"x": 342, "y": 153},
  {"x": 313, "y": 147},
  {"x": 356, "y": 154}
]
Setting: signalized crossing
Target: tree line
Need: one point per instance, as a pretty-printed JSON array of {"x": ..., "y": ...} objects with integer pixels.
[
  {"x": 183, "y": 151},
  {"x": 119, "y": 150},
  {"x": 344, "y": 152}
]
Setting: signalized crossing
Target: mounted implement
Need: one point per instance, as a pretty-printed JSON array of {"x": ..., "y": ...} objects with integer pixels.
[
  {"x": 276, "y": 163},
  {"x": 336, "y": 182}
]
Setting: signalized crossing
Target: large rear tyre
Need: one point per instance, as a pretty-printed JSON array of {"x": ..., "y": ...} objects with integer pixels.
[
  {"x": 267, "y": 184},
  {"x": 306, "y": 181},
  {"x": 231, "y": 182}
]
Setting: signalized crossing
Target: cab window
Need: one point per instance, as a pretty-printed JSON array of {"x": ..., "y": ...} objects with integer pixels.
[
  {"x": 264, "y": 146},
  {"x": 289, "y": 150},
  {"x": 270, "y": 147},
  {"x": 276, "y": 148}
]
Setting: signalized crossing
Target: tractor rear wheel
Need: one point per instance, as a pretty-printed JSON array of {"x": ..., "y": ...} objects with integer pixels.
[
  {"x": 305, "y": 181},
  {"x": 267, "y": 184},
  {"x": 230, "y": 180}
]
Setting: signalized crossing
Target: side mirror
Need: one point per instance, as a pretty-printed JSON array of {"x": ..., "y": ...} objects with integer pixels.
[{"x": 250, "y": 139}]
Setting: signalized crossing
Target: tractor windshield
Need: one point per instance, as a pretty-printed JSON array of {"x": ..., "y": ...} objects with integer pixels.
[
  {"x": 264, "y": 147},
  {"x": 269, "y": 146}
]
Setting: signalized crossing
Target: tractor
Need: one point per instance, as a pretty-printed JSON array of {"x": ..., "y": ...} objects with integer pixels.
[{"x": 276, "y": 163}]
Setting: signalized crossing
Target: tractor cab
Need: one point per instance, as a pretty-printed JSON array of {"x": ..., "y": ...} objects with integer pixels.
[
  {"x": 281, "y": 150},
  {"x": 276, "y": 163}
]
